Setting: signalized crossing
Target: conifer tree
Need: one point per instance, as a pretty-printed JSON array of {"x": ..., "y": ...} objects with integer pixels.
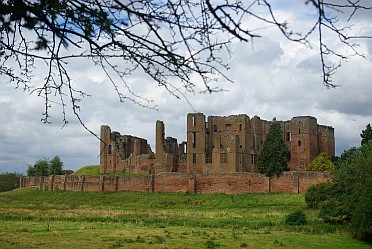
[
  {"x": 366, "y": 134},
  {"x": 274, "y": 157}
]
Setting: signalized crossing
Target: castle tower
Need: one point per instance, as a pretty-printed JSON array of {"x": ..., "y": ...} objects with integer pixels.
[
  {"x": 105, "y": 147},
  {"x": 160, "y": 140},
  {"x": 326, "y": 139},
  {"x": 196, "y": 143},
  {"x": 304, "y": 142},
  {"x": 228, "y": 143}
]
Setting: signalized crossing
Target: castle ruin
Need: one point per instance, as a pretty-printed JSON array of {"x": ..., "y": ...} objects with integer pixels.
[{"x": 214, "y": 145}]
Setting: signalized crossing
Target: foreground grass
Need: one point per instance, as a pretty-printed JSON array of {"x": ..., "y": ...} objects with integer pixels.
[{"x": 64, "y": 219}]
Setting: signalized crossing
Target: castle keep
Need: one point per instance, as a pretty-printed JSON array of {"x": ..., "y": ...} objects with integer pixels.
[{"x": 214, "y": 145}]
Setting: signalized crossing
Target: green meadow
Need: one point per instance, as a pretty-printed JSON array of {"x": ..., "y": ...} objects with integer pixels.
[{"x": 66, "y": 219}]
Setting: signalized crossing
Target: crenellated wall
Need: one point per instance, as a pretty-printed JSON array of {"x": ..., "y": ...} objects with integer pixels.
[{"x": 228, "y": 183}]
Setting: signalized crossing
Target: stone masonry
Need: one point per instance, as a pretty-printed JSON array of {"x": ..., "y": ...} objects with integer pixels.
[{"x": 214, "y": 145}]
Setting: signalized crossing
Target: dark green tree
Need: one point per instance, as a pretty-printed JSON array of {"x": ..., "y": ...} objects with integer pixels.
[
  {"x": 348, "y": 198},
  {"x": 31, "y": 170},
  {"x": 274, "y": 157},
  {"x": 55, "y": 166},
  {"x": 42, "y": 167},
  {"x": 366, "y": 134},
  {"x": 361, "y": 221},
  {"x": 45, "y": 167},
  {"x": 318, "y": 193},
  {"x": 353, "y": 176}
]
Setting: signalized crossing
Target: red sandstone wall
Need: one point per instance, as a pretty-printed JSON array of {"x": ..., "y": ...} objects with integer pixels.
[
  {"x": 310, "y": 178},
  {"x": 73, "y": 182},
  {"x": 135, "y": 183},
  {"x": 229, "y": 183},
  {"x": 286, "y": 183},
  {"x": 58, "y": 182},
  {"x": 232, "y": 183},
  {"x": 46, "y": 183},
  {"x": 109, "y": 183},
  {"x": 172, "y": 182},
  {"x": 30, "y": 182},
  {"x": 92, "y": 183}
]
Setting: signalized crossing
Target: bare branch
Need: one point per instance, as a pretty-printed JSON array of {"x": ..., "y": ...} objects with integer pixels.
[{"x": 172, "y": 41}]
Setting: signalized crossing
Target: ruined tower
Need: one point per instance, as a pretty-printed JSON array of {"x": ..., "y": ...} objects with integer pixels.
[
  {"x": 222, "y": 144},
  {"x": 105, "y": 147},
  {"x": 196, "y": 142}
]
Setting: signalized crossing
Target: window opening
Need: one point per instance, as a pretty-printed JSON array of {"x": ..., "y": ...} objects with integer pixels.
[
  {"x": 288, "y": 136},
  {"x": 193, "y": 139},
  {"x": 223, "y": 157}
]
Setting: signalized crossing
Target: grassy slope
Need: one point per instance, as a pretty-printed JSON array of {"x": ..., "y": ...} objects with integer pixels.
[
  {"x": 64, "y": 219},
  {"x": 92, "y": 170}
]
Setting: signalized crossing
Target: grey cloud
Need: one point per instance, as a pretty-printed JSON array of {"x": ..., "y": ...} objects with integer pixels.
[
  {"x": 261, "y": 53},
  {"x": 311, "y": 64},
  {"x": 271, "y": 80}
]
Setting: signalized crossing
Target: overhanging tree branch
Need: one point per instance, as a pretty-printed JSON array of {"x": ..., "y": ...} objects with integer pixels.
[{"x": 170, "y": 41}]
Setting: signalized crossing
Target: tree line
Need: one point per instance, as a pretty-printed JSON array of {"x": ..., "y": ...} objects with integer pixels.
[
  {"x": 45, "y": 167},
  {"x": 42, "y": 167},
  {"x": 9, "y": 181},
  {"x": 347, "y": 200}
]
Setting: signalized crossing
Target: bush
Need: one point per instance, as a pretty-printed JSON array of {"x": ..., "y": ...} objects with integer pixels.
[
  {"x": 211, "y": 244},
  {"x": 333, "y": 211},
  {"x": 318, "y": 193},
  {"x": 296, "y": 218},
  {"x": 321, "y": 163}
]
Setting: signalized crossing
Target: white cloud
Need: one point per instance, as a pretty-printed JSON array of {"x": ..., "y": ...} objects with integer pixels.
[{"x": 272, "y": 78}]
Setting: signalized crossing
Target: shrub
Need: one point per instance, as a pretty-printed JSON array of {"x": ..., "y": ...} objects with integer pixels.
[
  {"x": 333, "y": 211},
  {"x": 296, "y": 218},
  {"x": 318, "y": 193},
  {"x": 321, "y": 163},
  {"x": 211, "y": 244}
]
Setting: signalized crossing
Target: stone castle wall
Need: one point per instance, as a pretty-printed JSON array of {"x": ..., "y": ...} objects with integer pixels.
[
  {"x": 215, "y": 144},
  {"x": 228, "y": 183}
]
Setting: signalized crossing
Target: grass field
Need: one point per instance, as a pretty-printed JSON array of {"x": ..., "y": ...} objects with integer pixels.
[{"x": 65, "y": 219}]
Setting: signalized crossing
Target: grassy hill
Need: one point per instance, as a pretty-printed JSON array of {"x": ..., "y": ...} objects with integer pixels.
[
  {"x": 66, "y": 219},
  {"x": 92, "y": 170}
]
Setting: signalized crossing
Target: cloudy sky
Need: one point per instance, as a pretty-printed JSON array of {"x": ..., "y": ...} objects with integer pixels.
[{"x": 272, "y": 78}]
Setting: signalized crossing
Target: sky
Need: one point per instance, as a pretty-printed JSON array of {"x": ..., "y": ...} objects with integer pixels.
[{"x": 271, "y": 76}]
